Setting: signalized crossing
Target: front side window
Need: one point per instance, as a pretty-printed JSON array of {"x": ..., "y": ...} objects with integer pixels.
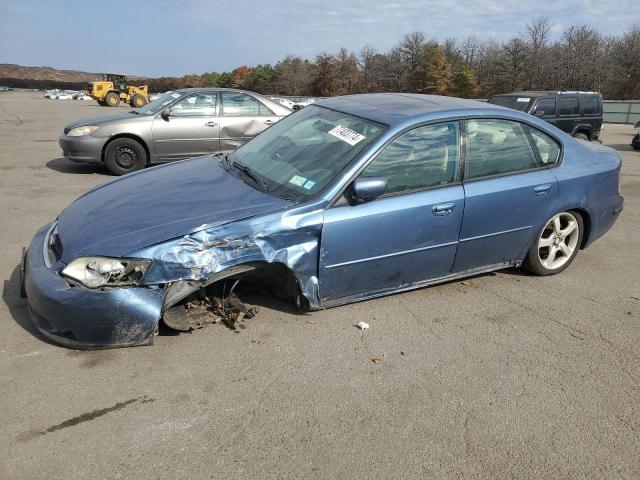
[
  {"x": 546, "y": 107},
  {"x": 548, "y": 148},
  {"x": 241, "y": 105},
  {"x": 568, "y": 106},
  {"x": 421, "y": 158},
  {"x": 198, "y": 105},
  {"x": 589, "y": 105},
  {"x": 305, "y": 151},
  {"x": 497, "y": 147}
]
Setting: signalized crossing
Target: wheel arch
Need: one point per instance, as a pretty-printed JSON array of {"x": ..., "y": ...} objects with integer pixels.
[
  {"x": 131, "y": 136},
  {"x": 586, "y": 223},
  {"x": 275, "y": 274},
  {"x": 586, "y": 129}
]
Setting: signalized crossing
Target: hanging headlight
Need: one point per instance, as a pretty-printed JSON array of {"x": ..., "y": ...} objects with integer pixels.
[{"x": 96, "y": 272}]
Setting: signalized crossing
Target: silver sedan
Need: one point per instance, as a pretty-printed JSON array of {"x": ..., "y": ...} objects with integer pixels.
[{"x": 179, "y": 124}]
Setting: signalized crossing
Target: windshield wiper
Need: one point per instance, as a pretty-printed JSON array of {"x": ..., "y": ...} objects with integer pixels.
[{"x": 249, "y": 173}]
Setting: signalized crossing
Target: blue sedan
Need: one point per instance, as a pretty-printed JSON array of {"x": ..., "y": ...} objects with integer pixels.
[{"x": 352, "y": 198}]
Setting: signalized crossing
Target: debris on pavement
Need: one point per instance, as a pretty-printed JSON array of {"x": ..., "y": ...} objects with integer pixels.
[
  {"x": 376, "y": 360},
  {"x": 200, "y": 312},
  {"x": 363, "y": 325}
]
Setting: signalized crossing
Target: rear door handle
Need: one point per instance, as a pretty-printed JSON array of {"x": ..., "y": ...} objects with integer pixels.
[
  {"x": 542, "y": 190},
  {"x": 443, "y": 209},
  {"x": 210, "y": 124}
]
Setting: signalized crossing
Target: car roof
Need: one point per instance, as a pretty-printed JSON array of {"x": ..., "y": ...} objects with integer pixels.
[
  {"x": 395, "y": 108},
  {"x": 542, "y": 93}
]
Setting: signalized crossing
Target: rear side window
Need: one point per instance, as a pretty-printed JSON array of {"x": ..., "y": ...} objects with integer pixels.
[
  {"x": 421, "y": 158},
  {"x": 241, "y": 105},
  {"x": 548, "y": 148},
  {"x": 568, "y": 106},
  {"x": 546, "y": 107},
  {"x": 497, "y": 147},
  {"x": 589, "y": 105}
]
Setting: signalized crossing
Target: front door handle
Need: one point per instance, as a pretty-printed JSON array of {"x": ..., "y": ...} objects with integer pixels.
[
  {"x": 542, "y": 190},
  {"x": 269, "y": 122},
  {"x": 443, "y": 209},
  {"x": 210, "y": 124}
]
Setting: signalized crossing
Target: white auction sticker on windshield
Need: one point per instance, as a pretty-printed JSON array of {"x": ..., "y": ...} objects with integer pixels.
[
  {"x": 297, "y": 180},
  {"x": 175, "y": 95},
  {"x": 346, "y": 135},
  {"x": 523, "y": 99}
]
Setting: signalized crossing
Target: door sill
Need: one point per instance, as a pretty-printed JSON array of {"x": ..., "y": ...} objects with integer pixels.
[{"x": 358, "y": 297}]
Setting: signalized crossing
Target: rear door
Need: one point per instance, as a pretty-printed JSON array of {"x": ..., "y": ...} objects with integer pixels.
[
  {"x": 242, "y": 117},
  {"x": 568, "y": 113},
  {"x": 191, "y": 130},
  {"x": 591, "y": 113},
  {"x": 509, "y": 192},
  {"x": 408, "y": 234}
]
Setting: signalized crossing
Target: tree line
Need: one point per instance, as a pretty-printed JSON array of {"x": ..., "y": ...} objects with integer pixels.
[{"x": 580, "y": 59}]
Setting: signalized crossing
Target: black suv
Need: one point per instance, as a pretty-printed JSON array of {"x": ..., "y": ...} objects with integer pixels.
[{"x": 577, "y": 113}]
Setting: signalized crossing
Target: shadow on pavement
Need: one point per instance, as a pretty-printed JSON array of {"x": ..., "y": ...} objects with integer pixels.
[{"x": 63, "y": 165}]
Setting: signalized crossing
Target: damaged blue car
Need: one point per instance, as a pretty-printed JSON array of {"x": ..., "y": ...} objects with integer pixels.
[{"x": 348, "y": 199}]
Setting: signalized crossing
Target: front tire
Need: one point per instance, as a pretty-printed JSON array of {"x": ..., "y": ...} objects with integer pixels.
[
  {"x": 138, "y": 101},
  {"x": 124, "y": 155},
  {"x": 556, "y": 245}
]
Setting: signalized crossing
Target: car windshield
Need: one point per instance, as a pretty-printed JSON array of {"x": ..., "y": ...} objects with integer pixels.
[
  {"x": 159, "y": 103},
  {"x": 302, "y": 153},
  {"x": 513, "y": 102}
]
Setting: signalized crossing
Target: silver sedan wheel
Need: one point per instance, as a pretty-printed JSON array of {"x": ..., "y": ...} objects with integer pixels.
[{"x": 558, "y": 240}]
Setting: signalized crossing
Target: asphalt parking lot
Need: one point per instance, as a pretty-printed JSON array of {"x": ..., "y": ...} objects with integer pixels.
[{"x": 499, "y": 376}]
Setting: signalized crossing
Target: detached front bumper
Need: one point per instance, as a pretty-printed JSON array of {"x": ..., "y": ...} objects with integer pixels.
[
  {"x": 79, "y": 317},
  {"x": 86, "y": 148}
]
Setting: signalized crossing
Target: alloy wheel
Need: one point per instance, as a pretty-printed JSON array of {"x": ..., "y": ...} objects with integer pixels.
[{"x": 558, "y": 240}]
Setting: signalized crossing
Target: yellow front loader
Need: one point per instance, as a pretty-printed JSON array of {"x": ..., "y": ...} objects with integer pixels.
[{"x": 113, "y": 89}]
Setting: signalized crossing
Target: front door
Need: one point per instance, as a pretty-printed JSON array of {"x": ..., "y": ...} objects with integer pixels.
[
  {"x": 191, "y": 130},
  {"x": 509, "y": 191},
  {"x": 242, "y": 117},
  {"x": 407, "y": 235}
]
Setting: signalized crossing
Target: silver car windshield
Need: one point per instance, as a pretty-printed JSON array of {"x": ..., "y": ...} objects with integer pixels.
[
  {"x": 159, "y": 103},
  {"x": 302, "y": 153}
]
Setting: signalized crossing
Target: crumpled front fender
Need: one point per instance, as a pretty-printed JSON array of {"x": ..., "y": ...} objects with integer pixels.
[{"x": 291, "y": 239}]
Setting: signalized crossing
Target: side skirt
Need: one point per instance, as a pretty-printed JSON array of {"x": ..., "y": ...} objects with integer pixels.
[{"x": 421, "y": 284}]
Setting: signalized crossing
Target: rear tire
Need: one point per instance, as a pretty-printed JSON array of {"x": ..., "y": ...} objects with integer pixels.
[
  {"x": 138, "y": 101},
  {"x": 556, "y": 245},
  {"x": 112, "y": 99},
  {"x": 124, "y": 155},
  {"x": 581, "y": 136}
]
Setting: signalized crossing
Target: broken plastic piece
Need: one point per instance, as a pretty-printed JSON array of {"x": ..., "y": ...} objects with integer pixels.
[{"x": 363, "y": 325}]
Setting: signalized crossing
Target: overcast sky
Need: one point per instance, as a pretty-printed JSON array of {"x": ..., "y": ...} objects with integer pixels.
[{"x": 194, "y": 36}]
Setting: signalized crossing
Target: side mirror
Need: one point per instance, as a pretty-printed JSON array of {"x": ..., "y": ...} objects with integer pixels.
[
  {"x": 539, "y": 113},
  {"x": 166, "y": 113},
  {"x": 365, "y": 189}
]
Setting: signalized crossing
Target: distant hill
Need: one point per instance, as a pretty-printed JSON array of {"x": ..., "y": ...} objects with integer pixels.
[
  {"x": 9, "y": 70},
  {"x": 12, "y": 75}
]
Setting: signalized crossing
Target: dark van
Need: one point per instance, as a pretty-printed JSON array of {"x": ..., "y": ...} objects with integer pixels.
[{"x": 577, "y": 113}]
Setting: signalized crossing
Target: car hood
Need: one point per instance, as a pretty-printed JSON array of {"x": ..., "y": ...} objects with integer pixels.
[
  {"x": 102, "y": 119},
  {"x": 155, "y": 205}
]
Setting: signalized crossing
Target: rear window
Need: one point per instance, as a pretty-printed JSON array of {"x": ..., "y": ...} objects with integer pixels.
[
  {"x": 568, "y": 106},
  {"x": 514, "y": 102},
  {"x": 589, "y": 105}
]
